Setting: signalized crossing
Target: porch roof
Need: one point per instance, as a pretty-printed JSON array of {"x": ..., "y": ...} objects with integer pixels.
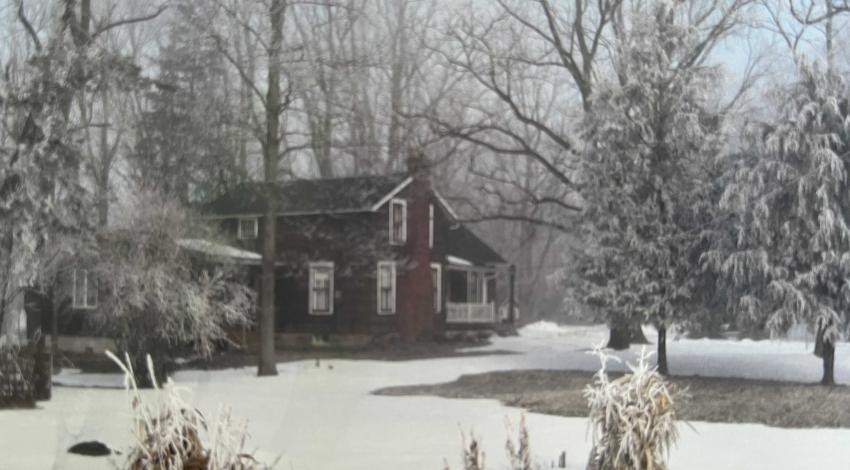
[
  {"x": 220, "y": 251},
  {"x": 464, "y": 245}
]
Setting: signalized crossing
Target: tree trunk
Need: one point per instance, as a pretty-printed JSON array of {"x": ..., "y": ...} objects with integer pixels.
[
  {"x": 42, "y": 375},
  {"x": 819, "y": 340},
  {"x": 828, "y": 363},
  {"x": 103, "y": 202},
  {"x": 619, "y": 337},
  {"x": 636, "y": 334},
  {"x": 54, "y": 331},
  {"x": 161, "y": 369},
  {"x": 267, "y": 363},
  {"x": 662, "y": 350}
]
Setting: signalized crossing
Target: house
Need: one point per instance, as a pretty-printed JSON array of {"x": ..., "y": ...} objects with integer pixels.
[{"x": 369, "y": 256}]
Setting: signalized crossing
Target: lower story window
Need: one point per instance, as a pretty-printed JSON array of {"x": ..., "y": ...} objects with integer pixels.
[
  {"x": 85, "y": 289},
  {"x": 437, "y": 282},
  {"x": 321, "y": 288},
  {"x": 386, "y": 288}
]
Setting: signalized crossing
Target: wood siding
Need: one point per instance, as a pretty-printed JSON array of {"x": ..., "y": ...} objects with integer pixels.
[{"x": 355, "y": 243}]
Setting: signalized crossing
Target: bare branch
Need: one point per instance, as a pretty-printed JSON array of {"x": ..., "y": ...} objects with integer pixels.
[
  {"x": 125, "y": 21},
  {"x": 28, "y": 26}
]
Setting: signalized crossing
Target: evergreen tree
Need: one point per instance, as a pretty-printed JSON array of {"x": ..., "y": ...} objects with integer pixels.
[
  {"x": 790, "y": 261},
  {"x": 652, "y": 142},
  {"x": 188, "y": 134}
]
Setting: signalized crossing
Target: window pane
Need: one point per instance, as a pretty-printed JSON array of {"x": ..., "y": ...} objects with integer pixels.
[
  {"x": 385, "y": 288},
  {"x": 397, "y": 221},
  {"x": 79, "y": 288},
  {"x": 435, "y": 282},
  {"x": 248, "y": 228},
  {"x": 321, "y": 289},
  {"x": 431, "y": 226},
  {"x": 91, "y": 290}
]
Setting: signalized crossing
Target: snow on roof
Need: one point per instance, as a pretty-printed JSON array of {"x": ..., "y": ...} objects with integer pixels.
[
  {"x": 219, "y": 250},
  {"x": 317, "y": 196},
  {"x": 458, "y": 261}
]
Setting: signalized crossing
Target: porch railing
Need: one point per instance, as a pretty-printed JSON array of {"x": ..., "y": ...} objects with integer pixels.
[{"x": 470, "y": 313}]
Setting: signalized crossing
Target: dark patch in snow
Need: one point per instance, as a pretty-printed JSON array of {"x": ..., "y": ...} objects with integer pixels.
[{"x": 90, "y": 449}]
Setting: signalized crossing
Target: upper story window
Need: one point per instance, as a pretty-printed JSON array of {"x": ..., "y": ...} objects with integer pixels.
[
  {"x": 398, "y": 221},
  {"x": 321, "y": 288},
  {"x": 431, "y": 226},
  {"x": 85, "y": 289},
  {"x": 247, "y": 228},
  {"x": 386, "y": 288}
]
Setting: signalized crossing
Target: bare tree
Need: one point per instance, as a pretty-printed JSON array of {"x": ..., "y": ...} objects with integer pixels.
[
  {"x": 261, "y": 27},
  {"x": 532, "y": 68}
]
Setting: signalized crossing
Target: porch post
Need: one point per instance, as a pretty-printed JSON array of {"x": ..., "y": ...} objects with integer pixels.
[
  {"x": 511, "y": 282},
  {"x": 467, "y": 272}
]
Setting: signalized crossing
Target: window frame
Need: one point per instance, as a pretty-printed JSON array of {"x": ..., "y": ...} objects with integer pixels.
[
  {"x": 75, "y": 302},
  {"x": 438, "y": 287},
  {"x": 403, "y": 204},
  {"x": 393, "y": 287},
  {"x": 241, "y": 235},
  {"x": 311, "y": 300}
]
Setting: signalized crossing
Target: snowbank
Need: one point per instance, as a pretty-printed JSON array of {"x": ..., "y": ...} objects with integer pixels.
[{"x": 542, "y": 328}]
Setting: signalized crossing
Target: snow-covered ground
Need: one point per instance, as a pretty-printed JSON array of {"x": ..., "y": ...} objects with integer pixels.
[{"x": 325, "y": 417}]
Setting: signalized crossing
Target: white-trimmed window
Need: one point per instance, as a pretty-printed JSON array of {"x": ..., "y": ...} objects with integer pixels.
[
  {"x": 398, "y": 221},
  {"x": 85, "y": 289},
  {"x": 431, "y": 226},
  {"x": 247, "y": 228},
  {"x": 321, "y": 288},
  {"x": 437, "y": 282},
  {"x": 386, "y": 288}
]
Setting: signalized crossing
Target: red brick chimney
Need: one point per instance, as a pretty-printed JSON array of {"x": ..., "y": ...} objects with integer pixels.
[{"x": 417, "y": 313}]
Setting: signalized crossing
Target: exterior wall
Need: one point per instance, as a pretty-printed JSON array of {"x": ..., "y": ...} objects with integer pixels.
[
  {"x": 355, "y": 243},
  {"x": 71, "y": 321}
]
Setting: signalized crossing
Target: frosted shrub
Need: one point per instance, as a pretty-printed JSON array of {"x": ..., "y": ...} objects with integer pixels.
[
  {"x": 171, "y": 434},
  {"x": 155, "y": 297},
  {"x": 633, "y": 419}
]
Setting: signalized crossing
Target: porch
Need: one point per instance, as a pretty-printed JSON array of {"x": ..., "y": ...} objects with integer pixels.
[{"x": 471, "y": 294}]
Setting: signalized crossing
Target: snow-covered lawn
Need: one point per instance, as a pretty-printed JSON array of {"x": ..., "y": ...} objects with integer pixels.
[{"x": 324, "y": 417}]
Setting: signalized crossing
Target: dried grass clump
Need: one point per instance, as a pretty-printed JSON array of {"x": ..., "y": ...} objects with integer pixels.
[
  {"x": 519, "y": 451},
  {"x": 473, "y": 456},
  {"x": 169, "y": 431},
  {"x": 632, "y": 418}
]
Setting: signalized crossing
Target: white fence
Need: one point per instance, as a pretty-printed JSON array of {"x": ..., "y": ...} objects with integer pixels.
[{"x": 471, "y": 313}]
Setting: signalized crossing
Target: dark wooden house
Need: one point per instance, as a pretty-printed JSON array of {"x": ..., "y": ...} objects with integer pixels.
[{"x": 368, "y": 255}]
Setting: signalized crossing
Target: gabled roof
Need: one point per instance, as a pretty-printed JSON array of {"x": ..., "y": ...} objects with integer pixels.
[
  {"x": 465, "y": 245},
  {"x": 319, "y": 196}
]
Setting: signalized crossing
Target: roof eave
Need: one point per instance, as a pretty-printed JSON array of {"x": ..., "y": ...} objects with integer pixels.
[{"x": 375, "y": 207}]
